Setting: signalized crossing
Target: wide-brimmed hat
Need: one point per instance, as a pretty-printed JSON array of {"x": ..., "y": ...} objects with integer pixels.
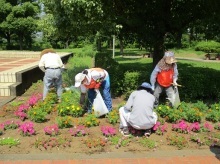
[
  {"x": 79, "y": 78},
  {"x": 170, "y": 60},
  {"x": 146, "y": 85}
]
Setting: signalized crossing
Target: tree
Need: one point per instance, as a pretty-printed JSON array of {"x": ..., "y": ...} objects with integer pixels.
[{"x": 19, "y": 21}]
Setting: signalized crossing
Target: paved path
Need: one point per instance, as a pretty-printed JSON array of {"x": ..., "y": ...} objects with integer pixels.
[{"x": 158, "y": 157}]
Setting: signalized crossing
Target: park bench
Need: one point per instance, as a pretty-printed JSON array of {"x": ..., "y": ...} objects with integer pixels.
[{"x": 212, "y": 56}]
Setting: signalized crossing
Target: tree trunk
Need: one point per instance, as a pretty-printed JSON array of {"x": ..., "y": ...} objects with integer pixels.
[
  {"x": 179, "y": 38},
  {"x": 121, "y": 47},
  {"x": 99, "y": 46},
  {"x": 20, "y": 42},
  {"x": 158, "y": 51}
]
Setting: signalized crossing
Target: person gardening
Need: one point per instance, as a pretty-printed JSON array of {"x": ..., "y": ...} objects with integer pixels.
[
  {"x": 164, "y": 77},
  {"x": 138, "y": 111},
  {"x": 91, "y": 79},
  {"x": 52, "y": 65}
]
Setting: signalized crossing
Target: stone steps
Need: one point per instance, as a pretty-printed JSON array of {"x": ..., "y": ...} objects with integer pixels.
[{"x": 14, "y": 81}]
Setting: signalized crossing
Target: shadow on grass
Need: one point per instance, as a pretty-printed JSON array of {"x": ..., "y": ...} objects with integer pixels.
[{"x": 216, "y": 151}]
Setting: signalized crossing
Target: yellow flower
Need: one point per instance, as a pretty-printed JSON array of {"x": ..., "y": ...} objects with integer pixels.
[
  {"x": 88, "y": 123},
  {"x": 73, "y": 106},
  {"x": 77, "y": 108},
  {"x": 34, "y": 113},
  {"x": 159, "y": 107},
  {"x": 168, "y": 107},
  {"x": 67, "y": 107}
]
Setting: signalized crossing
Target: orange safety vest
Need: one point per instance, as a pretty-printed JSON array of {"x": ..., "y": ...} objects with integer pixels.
[
  {"x": 93, "y": 83},
  {"x": 165, "y": 78}
]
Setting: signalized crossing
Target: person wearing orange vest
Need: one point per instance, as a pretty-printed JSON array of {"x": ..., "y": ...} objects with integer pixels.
[
  {"x": 91, "y": 79},
  {"x": 164, "y": 77}
]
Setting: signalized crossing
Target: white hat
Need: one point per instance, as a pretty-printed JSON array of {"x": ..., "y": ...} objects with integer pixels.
[
  {"x": 146, "y": 85},
  {"x": 169, "y": 53},
  {"x": 79, "y": 78}
]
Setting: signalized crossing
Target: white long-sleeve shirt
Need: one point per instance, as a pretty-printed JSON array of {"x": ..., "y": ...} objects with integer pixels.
[{"x": 50, "y": 60}]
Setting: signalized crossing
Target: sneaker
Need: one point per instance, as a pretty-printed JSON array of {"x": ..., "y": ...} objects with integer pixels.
[
  {"x": 125, "y": 131},
  {"x": 147, "y": 133},
  {"x": 120, "y": 130}
]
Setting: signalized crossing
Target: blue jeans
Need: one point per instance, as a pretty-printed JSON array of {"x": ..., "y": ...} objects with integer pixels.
[
  {"x": 53, "y": 77},
  {"x": 106, "y": 95}
]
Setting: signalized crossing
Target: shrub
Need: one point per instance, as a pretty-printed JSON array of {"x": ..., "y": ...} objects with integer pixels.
[
  {"x": 208, "y": 46},
  {"x": 91, "y": 120},
  {"x": 113, "y": 116},
  {"x": 37, "y": 114},
  {"x": 27, "y": 129},
  {"x": 130, "y": 82},
  {"x": 64, "y": 122},
  {"x": 52, "y": 130},
  {"x": 79, "y": 131}
]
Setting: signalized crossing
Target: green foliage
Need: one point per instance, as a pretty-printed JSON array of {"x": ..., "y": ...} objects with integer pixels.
[
  {"x": 213, "y": 113},
  {"x": 64, "y": 122},
  {"x": 52, "y": 142},
  {"x": 74, "y": 66},
  {"x": 9, "y": 141},
  {"x": 177, "y": 140},
  {"x": 113, "y": 116},
  {"x": 70, "y": 104},
  {"x": 91, "y": 120},
  {"x": 37, "y": 113},
  {"x": 87, "y": 51},
  {"x": 146, "y": 142},
  {"x": 193, "y": 115},
  {"x": 131, "y": 82},
  {"x": 116, "y": 72},
  {"x": 208, "y": 46},
  {"x": 118, "y": 141}
]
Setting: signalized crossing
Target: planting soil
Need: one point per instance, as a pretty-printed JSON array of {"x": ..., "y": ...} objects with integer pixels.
[{"x": 94, "y": 141}]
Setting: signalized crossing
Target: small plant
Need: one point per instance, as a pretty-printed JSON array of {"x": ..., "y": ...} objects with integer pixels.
[
  {"x": 163, "y": 110},
  {"x": 177, "y": 140},
  {"x": 113, "y": 116},
  {"x": 1, "y": 128},
  {"x": 213, "y": 113},
  {"x": 27, "y": 129},
  {"x": 159, "y": 128},
  {"x": 11, "y": 125},
  {"x": 91, "y": 120},
  {"x": 217, "y": 126},
  {"x": 64, "y": 122},
  {"x": 36, "y": 114},
  {"x": 193, "y": 115},
  {"x": 52, "y": 130},
  {"x": 146, "y": 142},
  {"x": 94, "y": 142},
  {"x": 79, "y": 131},
  {"x": 52, "y": 143},
  {"x": 76, "y": 111},
  {"x": 198, "y": 139},
  {"x": 9, "y": 141},
  {"x": 33, "y": 100},
  {"x": 207, "y": 127},
  {"x": 181, "y": 127},
  {"x": 195, "y": 127},
  {"x": 108, "y": 131},
  {"x": 120, "y": 142},
  {"x": 21, "y": 112}
]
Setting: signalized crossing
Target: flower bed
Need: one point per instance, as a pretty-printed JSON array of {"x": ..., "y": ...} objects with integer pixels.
[{"x": 33, "y": 126}]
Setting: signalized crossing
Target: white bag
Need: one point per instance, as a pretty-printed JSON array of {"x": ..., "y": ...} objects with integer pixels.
[{"x": 99, "y": 105}]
